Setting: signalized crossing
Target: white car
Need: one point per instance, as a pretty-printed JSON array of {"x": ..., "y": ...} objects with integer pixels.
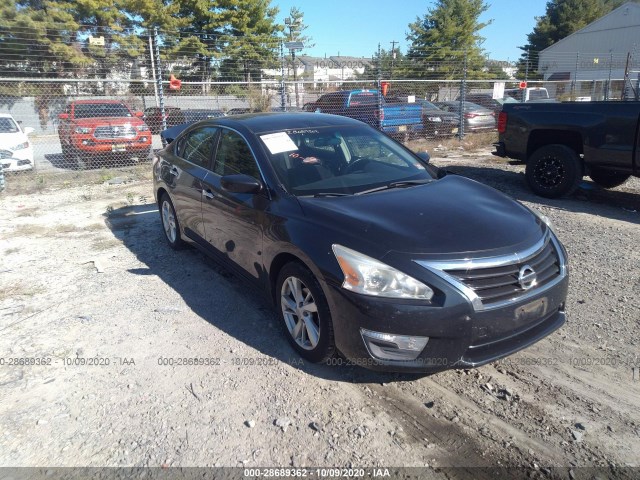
[{"x": 16, "y": 152}]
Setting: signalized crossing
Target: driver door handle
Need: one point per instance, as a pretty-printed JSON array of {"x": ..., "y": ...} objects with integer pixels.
[
  {"x": 174, "y": 171},
  {"x": 208, "y": 193}
]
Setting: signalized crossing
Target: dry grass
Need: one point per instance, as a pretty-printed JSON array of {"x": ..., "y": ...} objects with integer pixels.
[
  {"x": 66, "y": 228},
  {"x": 101, "y": 244},
  {"x": 38, "y": 181},
  {"x": 28, "y": 230},
  {"x": 28, "y": 212},
  {"x": 18, "y": 290},
  {"x": 470, "y": 142},
  {"x": 94, "y": 227}
]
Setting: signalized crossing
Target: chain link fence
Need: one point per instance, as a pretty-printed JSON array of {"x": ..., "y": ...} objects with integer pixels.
[{"x": 104, "y": 113}]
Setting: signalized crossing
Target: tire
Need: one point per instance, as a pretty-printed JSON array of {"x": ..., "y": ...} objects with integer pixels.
[
  {"x": 312, "y": 338},
  {"x": 170, "y": 224},
  {"x": 608, "y": 178},
  {"x": 554, "y": 171}
]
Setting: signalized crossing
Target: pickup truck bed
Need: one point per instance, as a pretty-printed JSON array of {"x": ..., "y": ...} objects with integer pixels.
[
  {"x": 562, "y": 142},
  {"x": 394, "y": 118}
]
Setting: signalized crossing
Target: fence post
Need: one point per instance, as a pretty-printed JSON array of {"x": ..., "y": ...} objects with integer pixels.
[
  {"x": 463, "y": 93},
  {"x": 283, "y": 100},
  {"x": 526, "y": 76},
  {"x": 379, "y": 87},
  {"x": 159, "y": 78},
  {"x": 574, "y": 85},
  {"x": 608, "y": 87},
  {"x": 153, "y": 70}
]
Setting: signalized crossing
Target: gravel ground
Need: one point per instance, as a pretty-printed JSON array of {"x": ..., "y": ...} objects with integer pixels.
[{"x": 90, "y": 291}]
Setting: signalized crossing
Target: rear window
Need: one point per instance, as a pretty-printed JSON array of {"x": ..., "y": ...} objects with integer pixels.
[
  {"x": 364, "y": 98},
  {"x": 93, "y": 110}
]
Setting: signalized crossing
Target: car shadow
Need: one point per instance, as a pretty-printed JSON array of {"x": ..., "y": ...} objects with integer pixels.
[
  {"x": 618, "y": 204},
  {"x": 57, "y": 160},
  {"x": 199, "y": 280}
]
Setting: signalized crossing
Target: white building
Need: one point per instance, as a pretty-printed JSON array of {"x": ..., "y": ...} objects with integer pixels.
[{"x": 598, "y": 51}]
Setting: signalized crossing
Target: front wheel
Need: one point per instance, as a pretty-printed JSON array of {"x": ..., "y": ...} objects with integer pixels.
[
  {"x": 305, "y": 313},
  {"x": 554, "y": 171},
  {"x": 607, "y": 178},
  {"x": 170, "y": 223}
]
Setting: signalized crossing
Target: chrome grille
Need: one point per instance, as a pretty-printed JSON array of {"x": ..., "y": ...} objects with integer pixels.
[
  {"x": 115, "y": 131},
  {"x": 498, "y": 284}
]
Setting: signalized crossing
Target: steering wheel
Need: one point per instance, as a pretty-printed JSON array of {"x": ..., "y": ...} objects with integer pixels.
[{"x": 356, "y": 165}]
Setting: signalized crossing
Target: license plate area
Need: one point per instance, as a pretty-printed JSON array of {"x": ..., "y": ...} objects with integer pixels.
[
  {"x": 119, "y": 147},
  {"x": 531, "y": 311},
  {"x": 402, "y": 128}
]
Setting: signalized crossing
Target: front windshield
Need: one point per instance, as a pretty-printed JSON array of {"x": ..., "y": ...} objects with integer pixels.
[
  {"x": 340, "y": 160},
  {"x": 95, "y": 110}
]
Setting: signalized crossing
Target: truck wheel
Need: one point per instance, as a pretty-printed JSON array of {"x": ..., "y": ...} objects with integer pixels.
[
  {"x": 554, "y": 171},
  {"x": 607, "y": 178}
]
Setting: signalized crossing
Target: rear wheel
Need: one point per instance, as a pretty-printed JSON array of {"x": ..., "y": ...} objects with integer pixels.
[
  {"x": 554, "y": 171},
  {"x": 607, "y": 178},
  {"x": 305, "y": 313},
  {"x": 170, "y": 223}
]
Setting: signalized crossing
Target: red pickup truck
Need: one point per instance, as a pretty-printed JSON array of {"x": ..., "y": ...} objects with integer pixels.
[{"x": 92, "y": 129}]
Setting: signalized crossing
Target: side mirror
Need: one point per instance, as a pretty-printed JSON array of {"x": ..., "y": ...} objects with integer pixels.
[
  {"x": 139, "y": 114},
  {"x": 424, "y": 156},
  {"x": 28, "y": 130},
  {"x": 240, "y": 184},
  {"x": 63, "y": 116}
]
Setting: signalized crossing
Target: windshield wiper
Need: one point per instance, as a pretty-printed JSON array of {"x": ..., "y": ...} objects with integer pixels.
[
  {"x": 400, "y": 184},
  {"x": 331, "y": 194}
]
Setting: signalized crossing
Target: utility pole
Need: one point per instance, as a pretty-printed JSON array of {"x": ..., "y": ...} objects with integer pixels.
[{"x": 393, "y": 57}]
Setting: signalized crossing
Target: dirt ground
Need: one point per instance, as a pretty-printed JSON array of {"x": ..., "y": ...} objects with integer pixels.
[{"x": 97, "y": 315}]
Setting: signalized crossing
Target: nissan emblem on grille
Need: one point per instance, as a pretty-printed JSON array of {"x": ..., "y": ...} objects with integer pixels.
[{"x": 527, "y": 277}]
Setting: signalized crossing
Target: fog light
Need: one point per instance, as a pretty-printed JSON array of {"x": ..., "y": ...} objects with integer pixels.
[
  {"x": 85, "y": 142},
  {"x": 387, "y": 346},
  {"x": 143, "y": 139}
]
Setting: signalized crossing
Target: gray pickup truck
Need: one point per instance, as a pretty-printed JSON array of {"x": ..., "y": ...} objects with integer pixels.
[{"x": 563, "y": 142}]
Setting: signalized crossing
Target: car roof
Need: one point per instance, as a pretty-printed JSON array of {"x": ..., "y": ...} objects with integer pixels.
[
  {"x": 277, "y": 122},
  {"x": 97, "y": 100},
  {"x": 6, "y": 115}
]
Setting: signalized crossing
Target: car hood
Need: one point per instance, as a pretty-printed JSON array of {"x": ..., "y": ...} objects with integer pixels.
[
  {"x": 10, "y": 140},
  {"x": 449, "y": 218}
]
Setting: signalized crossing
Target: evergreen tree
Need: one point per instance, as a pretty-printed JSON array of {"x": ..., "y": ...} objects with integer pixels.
[
  {"x": 250, "y": 41},
  {"x": 444, "y": 36}
]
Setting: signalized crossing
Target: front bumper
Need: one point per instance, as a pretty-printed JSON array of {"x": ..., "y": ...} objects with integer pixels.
[
  {"x": 459, "y": 336},
  {"x": 90, "y": 145},
  {"x": 18, "y": 161}
]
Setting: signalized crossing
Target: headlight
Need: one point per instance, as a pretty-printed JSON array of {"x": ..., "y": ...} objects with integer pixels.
[
  {"x": 543, "y": 219},
  {"x": 368, "y": 276},
  {"x": 142, "y": 128},
  {"x": 20, "y": 146},
  {"x": 82, "y": 130}
]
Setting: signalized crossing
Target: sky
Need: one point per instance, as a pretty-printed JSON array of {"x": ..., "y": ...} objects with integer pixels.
[{"x": 355, "y": 27}]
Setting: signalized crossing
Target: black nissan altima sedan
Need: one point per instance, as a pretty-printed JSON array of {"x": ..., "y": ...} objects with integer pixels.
[{"x": 366, "y": 249}]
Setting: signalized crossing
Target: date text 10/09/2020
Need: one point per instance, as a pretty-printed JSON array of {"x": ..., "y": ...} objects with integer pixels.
[{"x": 316, "y": 472}]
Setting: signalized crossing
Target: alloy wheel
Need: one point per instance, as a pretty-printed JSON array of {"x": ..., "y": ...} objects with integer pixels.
[
  {"x": 169, "y": 221},
  {"x": 300, "y": 313}
]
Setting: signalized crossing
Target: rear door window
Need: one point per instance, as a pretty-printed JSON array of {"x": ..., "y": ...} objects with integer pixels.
[
  {"x": 198, "y": 146},
  {"x": 234, "y": 156}
]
